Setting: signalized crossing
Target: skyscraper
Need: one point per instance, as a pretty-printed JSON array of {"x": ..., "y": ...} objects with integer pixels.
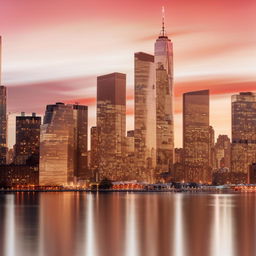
[
  {"x": 3, "y": 116},
  {"x": 145, "y": 111},
  {"x": 27, "y": 139},
  {"x": 164, "y": 101},
  {"x": 243, "y": 149},
  {"x": 111, "y": 121},
  {"x": 63, "y": 144},
  {"x": 196, "y": 136}
]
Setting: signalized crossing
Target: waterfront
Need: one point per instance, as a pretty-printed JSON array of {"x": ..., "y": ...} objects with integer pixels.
[{"x": 117, "y": 224}]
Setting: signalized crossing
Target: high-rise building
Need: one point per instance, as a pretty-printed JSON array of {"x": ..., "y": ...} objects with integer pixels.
[
  {"x": 27, "y": 139},
  {"x": 164, "y": 102},
  {"x": 243, "y": 149},
  {"x": 111, "y": 121},
  {"x": 145, "y": 111},
  {"x": 196, "y": 136},
  {"x": 222, "y": 152},
  {"x": 63, "y": 144},
  {"x": 3, "y": 125},
  {"x": 3, "y": 116}
]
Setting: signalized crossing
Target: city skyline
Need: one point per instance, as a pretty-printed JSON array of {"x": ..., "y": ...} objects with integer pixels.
[{"x": 205, "y": 55}]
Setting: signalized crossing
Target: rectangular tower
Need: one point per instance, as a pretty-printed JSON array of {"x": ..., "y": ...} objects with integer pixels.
[
  {"x": 145, "y": 111},
  {"x": 63, "y": 144},
  {"x": 243, "y": 148},
  {"x": 27, "y": 139},
  {"x": 164, "y": 102},
  {"x": 196, "y": 136},
  {"x": 3, "y": 116},
  {"x": 111, "y": 121}
]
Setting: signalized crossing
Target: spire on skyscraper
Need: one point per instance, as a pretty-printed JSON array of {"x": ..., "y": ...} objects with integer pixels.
[{"x": 163, "y": 25}]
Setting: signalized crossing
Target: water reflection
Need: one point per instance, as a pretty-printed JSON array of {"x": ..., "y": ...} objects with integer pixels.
[
  {"x": 222, "y": 228},
  {"x": 122, "y": 224}
]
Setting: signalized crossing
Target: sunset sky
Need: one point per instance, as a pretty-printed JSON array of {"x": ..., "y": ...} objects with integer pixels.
[{"x": 54, "y": 49}]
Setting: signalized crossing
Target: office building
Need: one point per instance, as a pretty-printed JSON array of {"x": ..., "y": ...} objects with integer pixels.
[
  {"x": 63, "y": 145},
  {"x": 27, "y": 139},
  {"x": 111, "y": 122},
  {"x": 196, "y": 136},
  {"x": 3, "y": 116},
  {"x": 145, "y": 111},
  {"x": 243, "y": 149}
]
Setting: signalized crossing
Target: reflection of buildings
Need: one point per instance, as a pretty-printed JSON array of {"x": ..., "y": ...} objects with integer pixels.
[
  {"x": 164, "y": 102},
  {"x": 145, "y": 111},
  {"x": 196, "y": 136},
  {"x": 222, "y": 152},
  {"x": 111, "y": 122},
  {"x": 27, "y": 139},
  {"x": 63, "y": 144},
  {"x": 243, "y": 149}
]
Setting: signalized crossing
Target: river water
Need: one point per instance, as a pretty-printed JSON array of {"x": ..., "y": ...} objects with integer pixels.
[{"x": 127, "y": 224}]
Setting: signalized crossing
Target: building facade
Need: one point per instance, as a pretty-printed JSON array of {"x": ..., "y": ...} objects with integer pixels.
[
  {"x": 196, "y": 136},
  {"x": 222, "y": 152},
  {"x": 27, "y": 139},
  {"x": 111, "y": 122},
  {"x": 164, "y": 102},
  {"x": 243, "y": 149},
  {"x": 63, "y": 144},
  {"x": 145, "y": 111},
  {"x": 3, "y": 125}
]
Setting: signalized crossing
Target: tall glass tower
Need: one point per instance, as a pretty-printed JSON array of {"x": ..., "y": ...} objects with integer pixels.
[{"x": 164, "y": 101}]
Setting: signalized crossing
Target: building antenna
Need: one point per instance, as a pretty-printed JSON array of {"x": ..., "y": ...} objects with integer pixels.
[{"x": 163, "y": 17}]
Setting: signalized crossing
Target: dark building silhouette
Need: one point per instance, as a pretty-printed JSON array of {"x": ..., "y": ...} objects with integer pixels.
[{"x": 196, "y": 136}]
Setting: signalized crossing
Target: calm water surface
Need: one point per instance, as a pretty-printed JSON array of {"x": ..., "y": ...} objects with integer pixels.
[{"x": 127, "y": 224}]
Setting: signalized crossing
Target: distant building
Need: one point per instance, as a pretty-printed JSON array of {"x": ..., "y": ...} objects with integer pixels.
[
  {"x": 3, "y": 116},
  {"x": 27, "y": 139},
  {"x": 164, "y": 102},
  {"x": 243, "y": 149},
  {"x": 3, "y": 123},
  {"x": 224, "y": 176},
  {"x": 63, "y": 145},
  {"x": 145, "y": 111},
  {"x": 95, "y": 142},
  {"x": 196, "y": 136},
  {"x": 111, "y": 121},
  {"x": 14, "y": 174},
  {"x": 222, "y": 152}
]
